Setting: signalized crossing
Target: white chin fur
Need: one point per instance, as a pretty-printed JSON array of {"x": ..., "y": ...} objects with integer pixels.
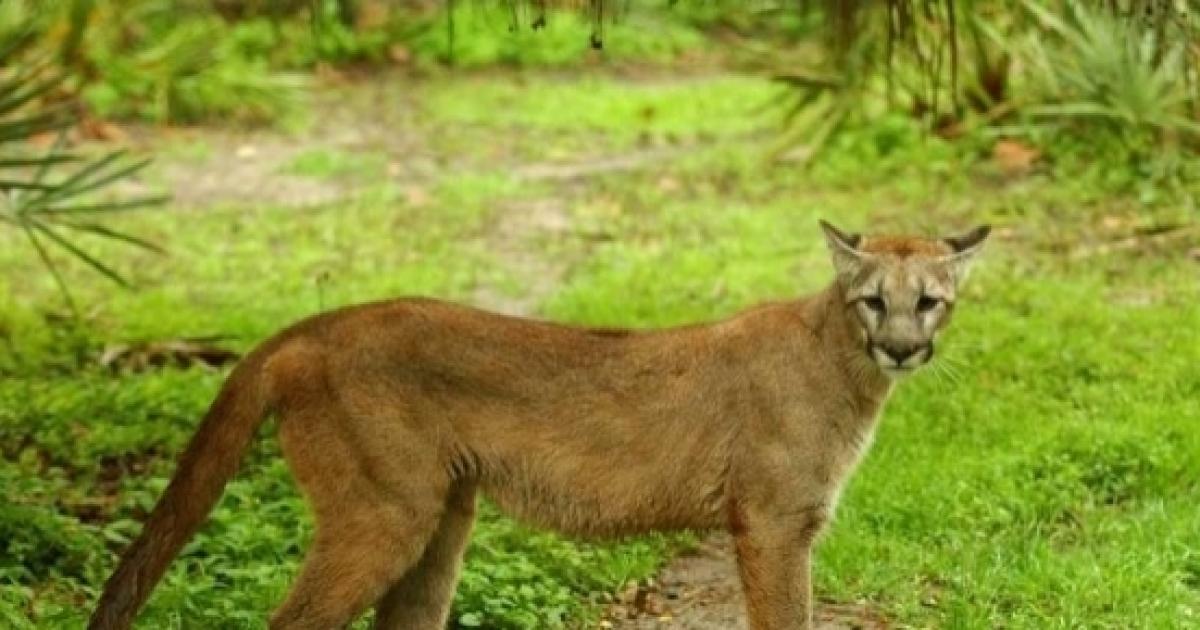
[{"x": 897, "y": 372}]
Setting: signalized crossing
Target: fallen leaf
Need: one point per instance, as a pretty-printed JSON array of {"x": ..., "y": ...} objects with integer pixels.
[
  {"x": 1014, "y": 158},
  {"x": 399, "y": 55},
  {"x": 91, "y": 128}
]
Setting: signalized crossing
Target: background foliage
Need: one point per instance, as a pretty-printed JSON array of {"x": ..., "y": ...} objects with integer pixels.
[{"x": 674, "y": 176}]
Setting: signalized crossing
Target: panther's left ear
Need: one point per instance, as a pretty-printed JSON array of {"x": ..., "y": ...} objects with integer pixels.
[
  {"x": 843, "y": 250},
  {"x": 965, "y": 247}
]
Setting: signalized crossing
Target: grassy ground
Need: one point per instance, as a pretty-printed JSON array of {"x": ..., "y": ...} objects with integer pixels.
[{"x": 1045, "y": 476}]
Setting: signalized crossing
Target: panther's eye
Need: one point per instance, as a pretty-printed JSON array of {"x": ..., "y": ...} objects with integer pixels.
[
  {"x": 875, "y": 303},
  {"x": 926, "y": 304}
]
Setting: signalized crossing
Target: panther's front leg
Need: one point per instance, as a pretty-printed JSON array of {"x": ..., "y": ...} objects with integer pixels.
[{"x": 773, "y": 554}]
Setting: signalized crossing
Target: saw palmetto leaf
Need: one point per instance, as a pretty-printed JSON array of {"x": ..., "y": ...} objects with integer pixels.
[{"x": 51, "y": 196}]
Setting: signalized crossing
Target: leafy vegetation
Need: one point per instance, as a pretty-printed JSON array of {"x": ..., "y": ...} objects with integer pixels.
[
  {"x": 50, "y": 195},
  {"x": 1041, "y": 476},
  {"x": 1043, "y": 67},
  {"x": 1107, "y": 69},
  {"x": 180, "y": 62},
  {"x": 1111, "y": 89}
]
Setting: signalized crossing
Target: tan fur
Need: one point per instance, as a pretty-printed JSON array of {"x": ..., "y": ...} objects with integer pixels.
[{"x": 393, "y": 415}]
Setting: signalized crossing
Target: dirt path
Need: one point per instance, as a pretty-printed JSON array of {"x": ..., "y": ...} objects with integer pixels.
[
  {"x": 699, "y": 590},
  {"x": 515, "y": 242},
  {"x": 204, "y": 167}
]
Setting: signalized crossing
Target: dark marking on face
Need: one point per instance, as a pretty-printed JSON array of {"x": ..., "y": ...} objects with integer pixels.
[
  {"x": 904, "y": 247},
  {"x": 736, "y": 515}
]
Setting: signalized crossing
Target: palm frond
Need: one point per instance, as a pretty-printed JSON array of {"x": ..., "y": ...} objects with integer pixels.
[{"x": 46, "y": 205}]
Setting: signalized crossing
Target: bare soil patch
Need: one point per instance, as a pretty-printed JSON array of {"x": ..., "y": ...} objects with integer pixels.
[{"x": 699, "y": 590}]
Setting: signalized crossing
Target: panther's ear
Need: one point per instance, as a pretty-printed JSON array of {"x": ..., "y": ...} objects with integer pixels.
[
  {"x": 970, "y": 242},
  {"x": 965, "y": 247},
  {"x": 843, "y": 249}
]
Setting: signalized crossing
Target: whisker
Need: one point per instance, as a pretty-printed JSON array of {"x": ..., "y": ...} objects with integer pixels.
[
  {"x": 954, "y": 364},
  {"x": 957, "y": 360},
  {"x": 945, "y": 379},
  {"x": 943, "y": 374},
  {"x": 953, "y": 374}
]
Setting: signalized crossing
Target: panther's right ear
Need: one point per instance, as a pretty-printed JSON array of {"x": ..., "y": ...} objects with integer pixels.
[
  {"x": 966, "y": 247},
  {"x": 843, "y": 249}
]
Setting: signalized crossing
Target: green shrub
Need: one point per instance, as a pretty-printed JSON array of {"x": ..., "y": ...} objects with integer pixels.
[
  {"x": 181, "y": 66},
  {"x": 1108, "y": 73},
  {"x": 37, "y": 541},
  {"x": 1116, "y": 98},
  {"x": 51, "y": 196},
  {"x": 484, "y": 37}
]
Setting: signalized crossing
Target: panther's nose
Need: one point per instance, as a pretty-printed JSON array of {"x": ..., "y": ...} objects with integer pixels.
[{"x": 901, "y": 353}]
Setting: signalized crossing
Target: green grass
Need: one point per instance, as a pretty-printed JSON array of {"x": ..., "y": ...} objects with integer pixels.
[
  {"x": 655, "y": 111},
  {"x": 1046, "y": 477},
  {"x": 1049, "y": 483},
  {"x": 332, "y": 164}
]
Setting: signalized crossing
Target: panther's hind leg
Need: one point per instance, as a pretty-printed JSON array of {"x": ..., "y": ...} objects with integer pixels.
[
  {"x": 421, "y": 599},
  {"x": 372, "y": 523}
]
